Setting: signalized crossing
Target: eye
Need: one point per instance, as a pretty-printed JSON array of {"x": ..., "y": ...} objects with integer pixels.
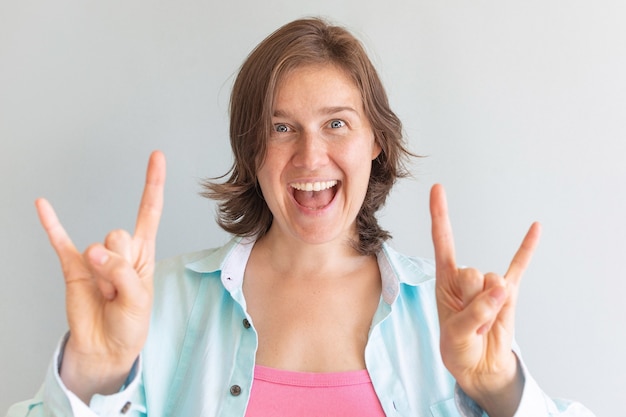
[
  {"x": 336, "y": 124},
  {"x": 281, "y": 128}
]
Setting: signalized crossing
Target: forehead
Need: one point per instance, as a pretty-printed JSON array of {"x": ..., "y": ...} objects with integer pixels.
[{"x": 307, "y": 84}]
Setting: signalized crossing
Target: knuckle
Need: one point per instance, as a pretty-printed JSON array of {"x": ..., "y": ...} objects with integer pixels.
[
  {"x": 472, "y": 277},
  {"x": 116, "y": 237},
  {"x": 492, "y": 279},
  {"x": 91, "y": 248},
  {"x": 483, "y": 314}
]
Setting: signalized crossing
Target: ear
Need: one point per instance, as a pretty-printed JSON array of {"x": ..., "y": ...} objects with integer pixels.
[{"x": 376, "y": 149}]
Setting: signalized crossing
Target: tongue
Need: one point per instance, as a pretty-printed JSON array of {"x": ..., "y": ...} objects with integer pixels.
[{"x": 314, "y": 199}]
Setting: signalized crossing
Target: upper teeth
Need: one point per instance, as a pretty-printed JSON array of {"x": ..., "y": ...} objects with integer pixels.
[{"x": 314, "y": 186}]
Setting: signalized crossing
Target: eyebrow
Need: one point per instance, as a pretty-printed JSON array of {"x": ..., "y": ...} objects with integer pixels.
[{"x": 325, "y": 111}]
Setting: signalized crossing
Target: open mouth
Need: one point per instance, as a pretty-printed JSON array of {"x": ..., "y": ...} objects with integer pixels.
[{"x": 314, "y": 195}]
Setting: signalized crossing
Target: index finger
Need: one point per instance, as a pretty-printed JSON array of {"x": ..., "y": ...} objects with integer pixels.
[
  {"x": 151, "y": 205},
  {"x": 59, "y": 239},
  {"x": 443, "y": 239}
]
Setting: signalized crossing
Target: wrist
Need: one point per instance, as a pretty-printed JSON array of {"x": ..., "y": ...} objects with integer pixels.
[
  {"x": 499, "y": 394},
  {"x": 88, "y": 374}
]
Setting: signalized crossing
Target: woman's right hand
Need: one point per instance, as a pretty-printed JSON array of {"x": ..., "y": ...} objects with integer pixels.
[{"x": 109, "y": 291}]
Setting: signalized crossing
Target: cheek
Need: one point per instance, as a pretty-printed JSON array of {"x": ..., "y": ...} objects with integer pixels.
[
  {"x": 275, "y": 155},
  {"x": 264, "y": 179},
  {"x": 269, "y": 177},
  {"x": 359, "y": 173}
]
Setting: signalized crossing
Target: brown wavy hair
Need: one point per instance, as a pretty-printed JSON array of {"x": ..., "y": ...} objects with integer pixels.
[{"x": 241, "y": 208}]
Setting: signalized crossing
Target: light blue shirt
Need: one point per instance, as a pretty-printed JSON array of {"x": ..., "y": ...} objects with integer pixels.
[{"x": 200, "y": 354}]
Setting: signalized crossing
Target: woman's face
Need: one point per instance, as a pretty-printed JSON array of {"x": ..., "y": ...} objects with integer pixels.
[{"x": 319, "y": 152}]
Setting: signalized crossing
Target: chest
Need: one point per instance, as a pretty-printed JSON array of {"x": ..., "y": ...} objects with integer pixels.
[
  {"x": 313, "y": 326},
  {"x": 200, "y": 347}
]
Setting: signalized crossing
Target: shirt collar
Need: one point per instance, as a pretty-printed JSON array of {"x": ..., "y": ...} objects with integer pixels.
[
  {"x": 230, "y": 260},
  {"x": 395, "y": 268}
]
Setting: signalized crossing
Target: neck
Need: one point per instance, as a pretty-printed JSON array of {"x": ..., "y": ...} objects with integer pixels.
[{"x": 297, "y": 258}]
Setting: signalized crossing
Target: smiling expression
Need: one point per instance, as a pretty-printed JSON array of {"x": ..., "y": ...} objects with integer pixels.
[{"x": 317, "y": 166}]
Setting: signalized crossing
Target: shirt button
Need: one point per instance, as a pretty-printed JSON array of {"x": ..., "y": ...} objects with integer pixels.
[
  {"x": 126, "y": 407},
  {"x": 246, "y": 323},
  {"x": 235, "y": 390}
]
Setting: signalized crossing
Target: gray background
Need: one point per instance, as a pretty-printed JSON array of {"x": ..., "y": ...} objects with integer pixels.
[{"x": 518, "y": 106}]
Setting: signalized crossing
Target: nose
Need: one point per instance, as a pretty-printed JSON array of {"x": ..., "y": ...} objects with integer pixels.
[{"x": 311, "y": 151}]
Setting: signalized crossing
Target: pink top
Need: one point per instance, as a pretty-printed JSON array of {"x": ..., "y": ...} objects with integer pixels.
[{"x": 304, "y": 394}]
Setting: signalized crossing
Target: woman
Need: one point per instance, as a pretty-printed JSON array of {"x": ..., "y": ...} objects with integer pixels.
[{"x": 306, "y": 311}]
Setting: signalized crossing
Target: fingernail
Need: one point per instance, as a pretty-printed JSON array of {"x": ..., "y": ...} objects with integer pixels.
[
  {"x": 99, "y": 256},
  {"x": 498, "y": 295}
]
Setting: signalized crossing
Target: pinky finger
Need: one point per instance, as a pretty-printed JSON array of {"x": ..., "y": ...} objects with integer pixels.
[{"x": 524, "y": 254}]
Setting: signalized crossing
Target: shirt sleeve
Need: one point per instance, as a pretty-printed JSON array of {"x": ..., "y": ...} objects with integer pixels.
[
  {"x": 54, "y": 399},
  {"x": 534, "y": 402}
]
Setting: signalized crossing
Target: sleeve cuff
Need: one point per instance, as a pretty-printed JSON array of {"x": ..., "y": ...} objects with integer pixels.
[
  {"x": 533, "y": 403},
  {"x": 59, "y": 398},
  {"x": 466, "y": 406}
]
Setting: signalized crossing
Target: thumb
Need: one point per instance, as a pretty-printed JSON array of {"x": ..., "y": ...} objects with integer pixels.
[
  {"x": 114, "y": 275},
  {"x": 480, "y": 314}
]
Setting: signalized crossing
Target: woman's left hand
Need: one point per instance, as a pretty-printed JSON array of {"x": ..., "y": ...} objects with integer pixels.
[{"x": 477, "y": 317}]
